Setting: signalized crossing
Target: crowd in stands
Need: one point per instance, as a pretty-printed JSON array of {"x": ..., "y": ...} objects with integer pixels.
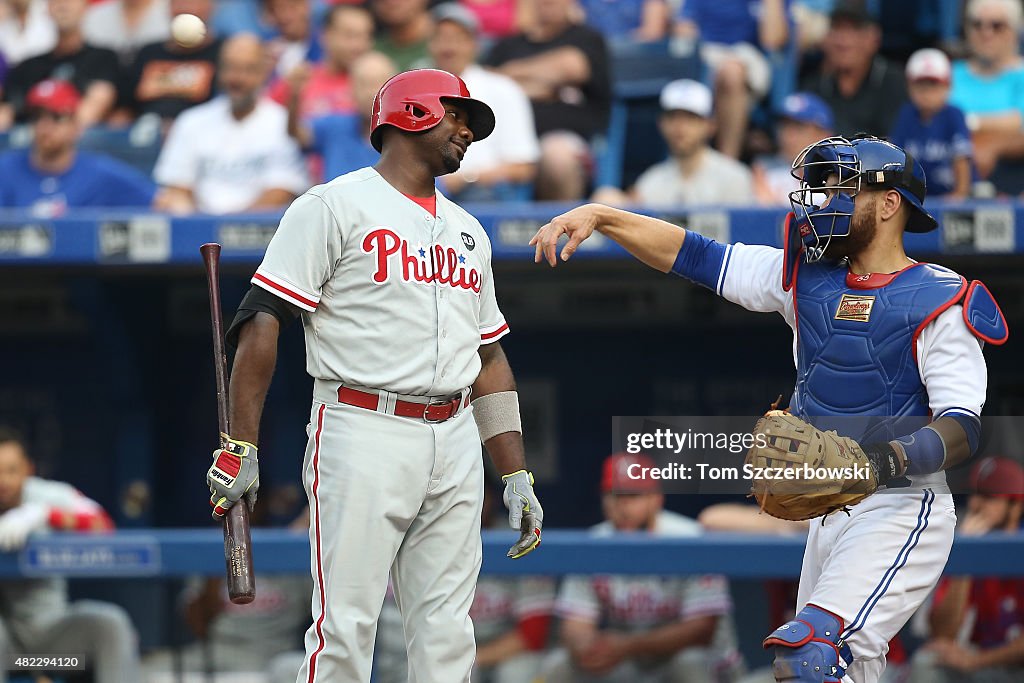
[{"x": 279, "y": 80}]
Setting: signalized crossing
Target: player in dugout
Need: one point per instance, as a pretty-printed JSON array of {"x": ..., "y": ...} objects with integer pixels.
[
  {"x": 35, "y": 615},
  {"x": 888, "y": 353}
]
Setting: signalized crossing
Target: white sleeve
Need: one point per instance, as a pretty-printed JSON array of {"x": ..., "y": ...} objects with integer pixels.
[
  {"x": 751, "y": 276},
  {"x": 492, "y": 323},
  {"x": 577, "y": 600},
  {"x": 517, "y": 135},
  {"x": 286, "y": 170},
  {"x": 178, "y": 163},
  {"x": 302, "y": 255},
  {"x": 952, "y": 365}
]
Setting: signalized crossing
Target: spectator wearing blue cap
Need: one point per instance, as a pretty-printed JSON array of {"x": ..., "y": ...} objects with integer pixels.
[
  {"x": 932, "y": 130},
  {"x": 802, "y": 120}
]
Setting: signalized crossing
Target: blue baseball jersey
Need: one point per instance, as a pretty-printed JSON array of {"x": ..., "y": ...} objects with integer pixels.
[
  {"x": 935, "y": 143},
  {"x": 341, "y": 141},
  {"x": 613, "y": 17},
  {"x": 92, "y": 180},
  {"x": 726, "y": 21}
]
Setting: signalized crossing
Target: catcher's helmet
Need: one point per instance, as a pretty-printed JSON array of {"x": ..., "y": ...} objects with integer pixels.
[
  {"x": 413, "y": 101},
  {"x": 823, "y": 210}
]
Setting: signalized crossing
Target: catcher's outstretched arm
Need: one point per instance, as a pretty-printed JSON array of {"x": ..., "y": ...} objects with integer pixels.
[{"x": 652, "y": 241}]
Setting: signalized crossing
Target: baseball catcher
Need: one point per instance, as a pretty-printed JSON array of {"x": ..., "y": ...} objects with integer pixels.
[{"x": 890, "y": 383}]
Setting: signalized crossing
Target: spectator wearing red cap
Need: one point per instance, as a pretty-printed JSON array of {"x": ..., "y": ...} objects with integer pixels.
[
  {"x": 92, "y": 70},
  {"x": 977, "y": 623},
  {"x": 53, "y": 176},
  {"x": 932, "y": 130},
  {"x": 642, "y": 629}
]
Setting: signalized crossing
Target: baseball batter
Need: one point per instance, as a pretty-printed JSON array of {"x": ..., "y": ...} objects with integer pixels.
[
  {"x": 395, "y": 289},
  {"x": 876, "y": 335}
]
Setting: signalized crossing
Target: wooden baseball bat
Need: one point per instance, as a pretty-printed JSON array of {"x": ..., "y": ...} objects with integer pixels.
[{"x": 237, "y": 537}]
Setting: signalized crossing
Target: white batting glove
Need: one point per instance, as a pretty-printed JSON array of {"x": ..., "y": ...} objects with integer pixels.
[
  {"x": 17, "y": 523},
  {"x": 525, "y": 514}
]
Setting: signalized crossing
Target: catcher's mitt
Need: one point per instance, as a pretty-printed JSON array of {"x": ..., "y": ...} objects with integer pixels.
[{"x": 800, "y": 472}]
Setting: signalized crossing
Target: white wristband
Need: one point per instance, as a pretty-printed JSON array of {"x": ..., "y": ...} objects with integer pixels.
[{"x": 497, "y": 413}]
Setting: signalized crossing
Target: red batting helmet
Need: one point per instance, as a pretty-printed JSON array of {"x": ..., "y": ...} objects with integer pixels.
[{"x": 413, "y": 101}]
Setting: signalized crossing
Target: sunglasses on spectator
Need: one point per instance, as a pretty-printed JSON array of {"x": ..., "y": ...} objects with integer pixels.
[
  {"x": 997, "y": 26},
  {"x": 50, "y": 116}
]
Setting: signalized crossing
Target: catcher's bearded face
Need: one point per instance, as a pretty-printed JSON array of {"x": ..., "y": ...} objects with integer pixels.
[
  {"x": 632, "y": 511},
  {"x": 863, "y": 228}
]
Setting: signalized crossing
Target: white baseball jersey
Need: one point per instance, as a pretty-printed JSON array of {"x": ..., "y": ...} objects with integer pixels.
[
  {"x": 896, "y": 543},
  {"x": 229, "y": 163},
  {"x": 393, "y": 297}
]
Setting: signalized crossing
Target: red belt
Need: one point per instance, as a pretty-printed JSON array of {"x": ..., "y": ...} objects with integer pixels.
[{"x": 432, "y": 411}]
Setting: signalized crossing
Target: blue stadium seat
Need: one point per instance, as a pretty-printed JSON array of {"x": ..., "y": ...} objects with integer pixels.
[
  {"x": 138, "y": 146},
  {"x": 639, "y": 72}
]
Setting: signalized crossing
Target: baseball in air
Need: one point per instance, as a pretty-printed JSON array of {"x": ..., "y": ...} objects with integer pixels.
[{"x": 188, "y": 30}]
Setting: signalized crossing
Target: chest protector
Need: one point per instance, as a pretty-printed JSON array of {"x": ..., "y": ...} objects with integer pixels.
[
  {"x": 857, "y": 342},
  {"x": 857, "y": 346}
]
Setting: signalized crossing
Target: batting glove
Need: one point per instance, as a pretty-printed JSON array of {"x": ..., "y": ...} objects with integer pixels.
[
  {"x": 524, "y": 512},
  {"x": 17, "y": 523},
  {"x": 234, "y": 474}
]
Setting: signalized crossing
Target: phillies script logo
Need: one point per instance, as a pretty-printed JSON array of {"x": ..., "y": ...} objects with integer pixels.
[
  {"x": 856, "y": 308},
  {"x": 433, "y": 263}
]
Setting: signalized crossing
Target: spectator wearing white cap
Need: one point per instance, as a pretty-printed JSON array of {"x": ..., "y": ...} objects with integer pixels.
[
  {"x": 694, "y": 174},
  {"x": 495, "y": 168},
  {"x": 932, "y": 130}
]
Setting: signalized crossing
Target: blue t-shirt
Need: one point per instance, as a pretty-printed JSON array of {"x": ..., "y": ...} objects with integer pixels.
[
  {"x": 613, "y": 18},
  {"x": 987, "y": 94},
  {"x": 92, "y": 181},
  {"x": 726, "y": 21},
  {"x": 935, "y": 144},
  {"x": 339, "y": 139}
]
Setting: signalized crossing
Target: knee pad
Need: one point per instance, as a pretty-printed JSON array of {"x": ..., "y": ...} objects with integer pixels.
[{"x": 809, "y": 648}]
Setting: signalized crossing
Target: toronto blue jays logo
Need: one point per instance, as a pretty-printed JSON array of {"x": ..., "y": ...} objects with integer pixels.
[{"x": 433, "y": 263}]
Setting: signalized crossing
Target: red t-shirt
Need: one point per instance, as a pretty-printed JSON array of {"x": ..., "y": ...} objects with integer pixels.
[
  {"x": 325, "y": 93},
  {"x": 428, "y": 203},
  {"x": 996, "y": 606}
]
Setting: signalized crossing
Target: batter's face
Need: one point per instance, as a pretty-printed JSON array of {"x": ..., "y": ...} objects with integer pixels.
[
  {"x": 632, "y": 511},
  {"x": 15, "y": 468},
  {"x": 448, "y": 141}
]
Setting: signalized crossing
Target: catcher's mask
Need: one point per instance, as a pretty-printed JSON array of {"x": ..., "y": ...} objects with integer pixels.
[{"x": 833, "y": 171}]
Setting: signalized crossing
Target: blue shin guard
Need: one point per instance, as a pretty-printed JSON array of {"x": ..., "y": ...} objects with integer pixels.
[{"x": 808, "y": 648}]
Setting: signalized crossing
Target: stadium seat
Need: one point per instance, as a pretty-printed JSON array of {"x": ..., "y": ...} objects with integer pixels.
[{"x": 639, "y": 72}]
